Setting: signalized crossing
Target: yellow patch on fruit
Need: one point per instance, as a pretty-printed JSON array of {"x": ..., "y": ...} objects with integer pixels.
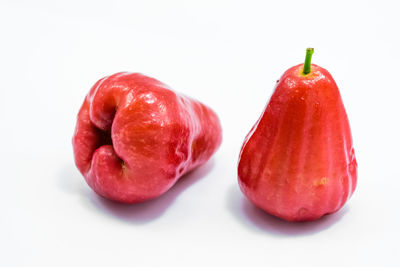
[{"x": 322, "y": 181}]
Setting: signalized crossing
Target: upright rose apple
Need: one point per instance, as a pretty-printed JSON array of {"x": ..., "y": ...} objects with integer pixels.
[{"x": 298, "y": 161}]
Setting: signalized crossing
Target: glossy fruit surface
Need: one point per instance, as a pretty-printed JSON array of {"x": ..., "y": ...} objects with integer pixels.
[
  {"x": 135, "y": 137},
  {"x": 298, "y": 161}
]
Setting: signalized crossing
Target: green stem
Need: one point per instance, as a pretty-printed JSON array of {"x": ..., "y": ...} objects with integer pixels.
[{"x": 307, "y": 62}]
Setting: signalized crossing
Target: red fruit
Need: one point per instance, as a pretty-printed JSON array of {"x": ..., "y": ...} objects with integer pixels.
[
  {"x": 135, "y": 137},
  {"x": 298, "y": 161}
]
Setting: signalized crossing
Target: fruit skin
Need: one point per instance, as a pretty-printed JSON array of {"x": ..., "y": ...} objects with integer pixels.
[
  {"x": 298, "y": 161},
  {"x": 135, "y": 137}
]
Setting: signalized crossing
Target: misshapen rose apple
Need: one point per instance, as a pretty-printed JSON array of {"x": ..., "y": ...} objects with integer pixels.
[{"x": 135, "y": 137}]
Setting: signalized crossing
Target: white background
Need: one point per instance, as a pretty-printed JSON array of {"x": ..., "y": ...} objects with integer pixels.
[{"x": 227, "y": 54}]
